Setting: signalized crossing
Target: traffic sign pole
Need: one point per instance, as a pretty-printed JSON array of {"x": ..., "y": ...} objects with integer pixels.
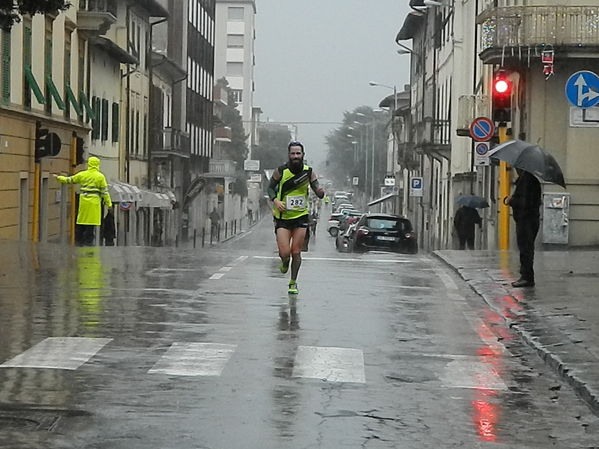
[{"x": 504, "y": 191}]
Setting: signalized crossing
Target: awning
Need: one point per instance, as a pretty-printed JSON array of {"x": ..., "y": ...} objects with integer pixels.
[
  {"x": 383, "y": 198},
  {"x": 155, "y": 199},
  {"x": 122, "y": 192}
]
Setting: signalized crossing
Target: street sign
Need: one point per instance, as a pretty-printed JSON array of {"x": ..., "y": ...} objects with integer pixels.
[
  {"x": 355, "y": 181},
  {"x": 481, "y": 154},
  {"x": 251, "y": 165},
  {"x": 255, "y": 177},
  {"x": 389, "y": 181},
  {"x": 482, "y": 129},
  {"x": 582, "y": 89},
  {"x": 416, "y": 186}
]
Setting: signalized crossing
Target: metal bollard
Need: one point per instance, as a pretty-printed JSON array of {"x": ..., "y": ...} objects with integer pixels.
[
  {"x": 226, "y": 228},
  {"x": 203, "y": 236},
  {"x": 194, "y": 238}
]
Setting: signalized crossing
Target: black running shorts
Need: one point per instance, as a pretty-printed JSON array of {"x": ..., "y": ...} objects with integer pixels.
[{"x": 300, "y": 222}]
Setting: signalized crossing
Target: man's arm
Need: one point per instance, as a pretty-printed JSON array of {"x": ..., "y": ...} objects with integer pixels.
[
  {"x": 319, "y": 191},
  {"x": 272, "y": 191}
]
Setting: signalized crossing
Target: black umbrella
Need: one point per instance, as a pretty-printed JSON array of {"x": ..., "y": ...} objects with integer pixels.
[
  {"x": 530, "y": 158},
  {"x": 474, "y": 201}
]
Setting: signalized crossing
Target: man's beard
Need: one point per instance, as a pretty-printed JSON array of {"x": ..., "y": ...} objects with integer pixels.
[{"x": 296, "y": 165}]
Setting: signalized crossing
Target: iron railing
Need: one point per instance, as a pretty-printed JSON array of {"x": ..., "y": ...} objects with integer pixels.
[{"x": 529, "y": 26}]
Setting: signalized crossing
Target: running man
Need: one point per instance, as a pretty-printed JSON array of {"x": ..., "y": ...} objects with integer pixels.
[{"x": 288, "y": 190}]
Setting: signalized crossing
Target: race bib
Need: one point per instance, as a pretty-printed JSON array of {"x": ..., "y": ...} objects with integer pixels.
[{"x": 296, "y": 202}]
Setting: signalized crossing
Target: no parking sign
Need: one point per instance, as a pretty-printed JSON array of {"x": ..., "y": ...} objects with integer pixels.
[{"x": 481, "y": 153}]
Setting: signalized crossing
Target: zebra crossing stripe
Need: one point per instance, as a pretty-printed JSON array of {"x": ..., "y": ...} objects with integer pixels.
[
  {"x": 471, "y": 374},
  {"x": 194, "y": 359},
  {"x": 67, "y": 353},
  {"x": 330, "y": 364}
]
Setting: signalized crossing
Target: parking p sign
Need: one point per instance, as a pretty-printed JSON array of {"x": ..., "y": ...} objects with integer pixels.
[{"x": 416, "y": 186}]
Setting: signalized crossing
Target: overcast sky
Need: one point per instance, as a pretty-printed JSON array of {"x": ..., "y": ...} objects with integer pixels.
[{"x": 314, "y": 59}]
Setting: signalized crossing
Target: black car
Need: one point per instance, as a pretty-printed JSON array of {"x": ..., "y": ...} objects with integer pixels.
[{"x": 383, "y": 232}]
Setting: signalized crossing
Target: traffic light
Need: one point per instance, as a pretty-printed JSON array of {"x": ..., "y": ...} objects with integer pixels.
[
  {"x": 46, "y": 143},
  {"x": 502, "y": 97}
]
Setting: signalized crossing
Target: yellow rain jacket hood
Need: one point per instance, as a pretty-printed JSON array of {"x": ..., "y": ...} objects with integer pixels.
[{"x": 93, "y": 191}]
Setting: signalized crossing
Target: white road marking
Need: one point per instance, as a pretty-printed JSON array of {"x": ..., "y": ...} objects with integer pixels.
[
  {"x": 217, "y": 276},
  {"x": 485, "y": 334},
  {"x": 194, "y": 359},
  {"x": 168, "y": 270},
  {"x": 470, "y": 374},
  {"x": 58, "y": 353},
  {"x": 225, "y": 269},
  {"x": 339, "y": 259},
  {"x": 239, "y": 260},
  {"x": 330, "y": 364}
]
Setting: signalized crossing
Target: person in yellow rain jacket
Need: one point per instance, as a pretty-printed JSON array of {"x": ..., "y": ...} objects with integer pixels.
[{"x": 93, "y": 191}]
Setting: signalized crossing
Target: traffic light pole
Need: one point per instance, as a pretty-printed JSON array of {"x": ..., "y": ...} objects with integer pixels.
[
  {"x": 504, "y": 191},
  {"x": 35, "y": 227},
  {"x": 72, "y": 212}
]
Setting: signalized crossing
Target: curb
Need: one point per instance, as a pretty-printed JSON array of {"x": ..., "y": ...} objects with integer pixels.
[{"x": 552, "y": 360}]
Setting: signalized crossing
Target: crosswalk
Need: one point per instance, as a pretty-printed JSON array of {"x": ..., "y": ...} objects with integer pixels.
[{"x": 207, "y": 359}]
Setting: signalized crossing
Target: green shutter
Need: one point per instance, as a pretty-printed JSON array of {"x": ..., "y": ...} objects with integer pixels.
[
  {"x": 88, "y": 108},
  {"x": 6, "y": 43},
  {"x": 73, "y": 101},
  {"x": 34, "y": 86},
  {"x": 53, "y": 91},
  {"x": 96, "y": 118},
  {"x": 115, "y": 122},
  {"x": 27, "y": 65}
]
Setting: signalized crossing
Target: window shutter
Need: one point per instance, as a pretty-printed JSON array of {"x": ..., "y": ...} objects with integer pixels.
[
  {"x": 96, "y": 118},
  {"x": 104, "y": 119},
  {"x": 115, "y": 122},
  {"x": 6, "y": 42}
]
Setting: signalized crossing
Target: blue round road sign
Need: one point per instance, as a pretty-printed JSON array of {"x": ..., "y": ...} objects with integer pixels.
[
  {"x": 482, "y": 148},
  {"x": 582, "y": 89},
  {"x": 482, "y": 129}
]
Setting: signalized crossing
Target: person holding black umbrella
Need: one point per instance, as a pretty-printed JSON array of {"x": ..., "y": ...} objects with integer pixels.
[
  {"x": 464, "y": 222},
  {"x": 525, "y": 203}
]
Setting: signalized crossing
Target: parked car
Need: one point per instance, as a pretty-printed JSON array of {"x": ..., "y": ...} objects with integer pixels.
[
  {"x": 383, "y": 232},
  {"x": 339, "y": 220},
  {"x": 333, "y": 224}
]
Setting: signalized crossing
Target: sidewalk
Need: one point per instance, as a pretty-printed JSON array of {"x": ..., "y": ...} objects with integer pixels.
[{"x": 559, "y": 317}]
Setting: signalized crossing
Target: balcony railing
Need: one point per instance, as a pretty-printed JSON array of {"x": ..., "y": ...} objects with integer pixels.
[
  {"x": 109, "y": 6},
  {"x": 222, "y": 168},
  {"x": 169, "y": 142},
  {"x": 529, "y": 26},
  {"x": 96, "y": 16}
]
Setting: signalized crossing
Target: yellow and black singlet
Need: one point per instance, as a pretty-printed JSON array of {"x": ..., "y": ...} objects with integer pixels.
[{"x": 293, "y": 192}]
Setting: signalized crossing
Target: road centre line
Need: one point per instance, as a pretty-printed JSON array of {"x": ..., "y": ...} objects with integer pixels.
[
  {"x": 217, "y": 276},
  {"x": 339, "y": 259},
  {"x": 225, "y": 269},
  {"x": 239, "y": 260},
  {"x": 67, "y": 353},
  {"x": 194, "y": 359}
]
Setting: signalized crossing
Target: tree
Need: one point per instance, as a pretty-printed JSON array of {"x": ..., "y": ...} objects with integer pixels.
[
  {"x": 272, "y": 150},
  {"x": 12, "y": 10}
]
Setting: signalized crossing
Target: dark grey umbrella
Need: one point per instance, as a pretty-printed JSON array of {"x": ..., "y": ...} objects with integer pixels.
[
  {"x": 530, "y": 158},
  {"x": 474, "y": 201}
]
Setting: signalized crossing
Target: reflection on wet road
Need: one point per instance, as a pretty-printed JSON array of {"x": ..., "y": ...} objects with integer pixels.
[{"x": 165, "y": 348}]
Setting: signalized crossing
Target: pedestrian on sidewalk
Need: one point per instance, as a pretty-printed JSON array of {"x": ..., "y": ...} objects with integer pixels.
[
  {"x": 92, "y": 193},
  {"x": 214, "y": 223},
  {"x": 464, "y": 222},
  {"x": 525, "y": 203}
]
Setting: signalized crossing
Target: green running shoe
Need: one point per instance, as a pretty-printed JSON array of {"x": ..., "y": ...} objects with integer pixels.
[
  {"x": 284, "y": 267},
  {"x": 293, "y": 288}
]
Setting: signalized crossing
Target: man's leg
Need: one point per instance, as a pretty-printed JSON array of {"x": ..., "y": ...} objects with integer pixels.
[
  {"x": 470, "y": 241},
  {"x": 284, "y": 245},
  {"x": 297, "y": 243},
  {"x": 526, "y": 233}
]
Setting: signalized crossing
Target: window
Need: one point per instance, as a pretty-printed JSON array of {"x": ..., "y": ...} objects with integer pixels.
[
  {"x": 234, "y": 68},
  {"x": 237, "y": 95},
  {"x": 236, "y": 13},
  {"x": 235, "y": 40}
]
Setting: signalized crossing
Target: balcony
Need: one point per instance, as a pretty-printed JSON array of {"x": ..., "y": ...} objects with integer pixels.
[
  {"x": 222, "y": 169},
  {"x": 170, "y": 142},
  {"x": 521, "y": 32},
  {"x": 222, "y": 134},
  {"x": 96, "y": 16}
]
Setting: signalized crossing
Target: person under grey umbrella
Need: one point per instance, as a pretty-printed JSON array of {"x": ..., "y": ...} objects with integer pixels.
[
  {"x": 464, "y": 222},
  {"x": 525, "y": 203}
]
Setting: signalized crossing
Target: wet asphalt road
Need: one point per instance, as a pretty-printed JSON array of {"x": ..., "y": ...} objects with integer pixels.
[{"x": 204, "y": 349}]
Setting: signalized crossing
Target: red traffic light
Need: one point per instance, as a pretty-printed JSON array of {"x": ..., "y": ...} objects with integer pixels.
[{"x": 501, "y": 86}]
